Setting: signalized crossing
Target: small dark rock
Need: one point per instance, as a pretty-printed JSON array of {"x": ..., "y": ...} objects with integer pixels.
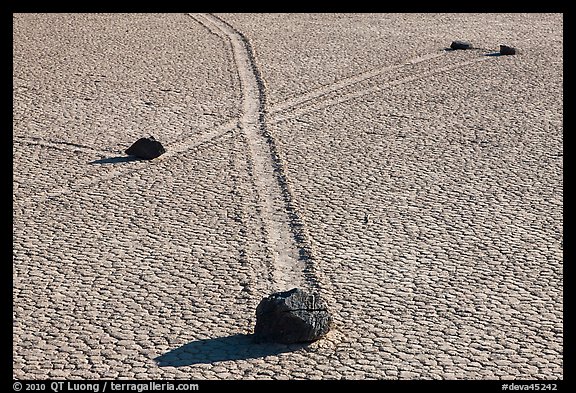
[
  {"x": 293, "y": 316},
  {"x": 461, "y": 45},
  {"x": 146, "y": 148},
  {"x": 507, "y": 50}
]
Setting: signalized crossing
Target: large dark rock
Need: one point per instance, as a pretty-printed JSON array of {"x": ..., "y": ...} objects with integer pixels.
[
  {"x": 460, "y": 45},
  {"x": 291, "y": 317},
  {"x": 146, "y": 148},
  {"x": 507, "y": 50}
]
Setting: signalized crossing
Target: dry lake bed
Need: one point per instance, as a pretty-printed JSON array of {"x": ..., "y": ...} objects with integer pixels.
[{"x": 417, "y": 189}]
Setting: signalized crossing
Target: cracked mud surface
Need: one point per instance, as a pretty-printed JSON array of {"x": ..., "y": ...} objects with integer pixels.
[{"x": 418, "y": 190}]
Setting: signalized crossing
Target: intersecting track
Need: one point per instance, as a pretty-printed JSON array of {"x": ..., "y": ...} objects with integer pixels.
[
  {"x": 292, "y": 108},
  {"x": 288, "y": 241}
]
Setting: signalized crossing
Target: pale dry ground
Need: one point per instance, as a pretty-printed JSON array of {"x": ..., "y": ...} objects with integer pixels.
[{"x": 425, "y": 186}]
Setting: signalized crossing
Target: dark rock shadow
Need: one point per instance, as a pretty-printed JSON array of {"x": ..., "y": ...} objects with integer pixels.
[
  {"x": 115, "y": 160},
  {"x": 487, "y": 54},
  {"x": 460, "y": 49},
  {"x": 235, "y": 347}
]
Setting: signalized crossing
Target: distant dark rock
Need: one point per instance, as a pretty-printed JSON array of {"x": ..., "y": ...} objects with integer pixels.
[
  {"x": 293, "y": 316},
  {"x": 461, "y": 45},
  {"x": 507, "y": 50},
  {"x": 146, "y": 148}
]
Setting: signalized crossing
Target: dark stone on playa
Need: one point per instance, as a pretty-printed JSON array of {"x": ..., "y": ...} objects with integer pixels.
[
  {"x": 146, "y": 148},
  {"x": 507, "y": 50},
  {"x": 460, "y": 45},
  {"x": 293, "y": 316}
]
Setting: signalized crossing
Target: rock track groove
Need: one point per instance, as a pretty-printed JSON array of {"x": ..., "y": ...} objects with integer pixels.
[
  {"x": 173, "y": 149},
  {"x": 290, "y": 250},
  {"x": 332, "y": 94}
]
